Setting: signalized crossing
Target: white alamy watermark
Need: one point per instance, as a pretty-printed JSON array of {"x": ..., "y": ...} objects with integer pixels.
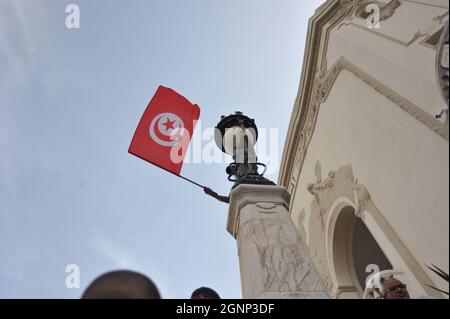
[
  {"x": 371, "y": 269},
  {"x": 373, "y": 19},
  {"x": 73, "y": 19},
  {"x": 73, "y": 279},
  {"x": 169, "y": 131}
]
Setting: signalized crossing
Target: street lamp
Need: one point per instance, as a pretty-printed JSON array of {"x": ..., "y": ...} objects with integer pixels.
[
  {"x": 258, "y": 218},
  {"x": 236, "y": 135}
]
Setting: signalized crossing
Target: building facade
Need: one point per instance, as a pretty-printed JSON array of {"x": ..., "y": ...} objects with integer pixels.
[{"x": 366, "y": 157}]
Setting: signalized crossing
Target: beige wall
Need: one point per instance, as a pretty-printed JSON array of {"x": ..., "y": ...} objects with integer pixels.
[
  {"x": 403, "y": 164},
  {"x": 378, "y": 118}
]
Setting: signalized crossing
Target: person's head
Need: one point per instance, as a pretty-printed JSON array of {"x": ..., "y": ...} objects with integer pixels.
[
  {"x": 394, "y": 289},
  {"x": 204, "y": 293},
  {"x": 121, "y": 284}
]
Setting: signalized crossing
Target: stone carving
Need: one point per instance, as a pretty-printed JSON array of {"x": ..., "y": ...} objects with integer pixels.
[
  {"x": 317, "y": 245},
  {"x": 325, "y": 80},
  {"x": 299, "y": 156},
  {"x": 340, "y": 183},
  {"x": 416, "y": 36},
  {"x": 346, "y": 9},
  {"x": 265, "y": 205},
  {"x": 301, "y": 225},
  {"x": 442, "y": 65},
  {"x": 275, "y": 243},
  {"x": 387, "y": 10},
  {"x": 440, "y": 18},
  {"x": 361, "y": 199},
  {"x": 273, "y": 259},
  {"x": 318, "y": 186},
  {"x": 296, "y": 169}
]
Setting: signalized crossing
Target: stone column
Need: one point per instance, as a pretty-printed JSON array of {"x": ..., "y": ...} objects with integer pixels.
[{"x": 274, "y": 262}]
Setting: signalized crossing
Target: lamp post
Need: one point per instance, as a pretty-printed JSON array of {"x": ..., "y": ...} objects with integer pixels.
[
  {"x": 273, "y": 260},
  {"x": 236, "y": 135}
]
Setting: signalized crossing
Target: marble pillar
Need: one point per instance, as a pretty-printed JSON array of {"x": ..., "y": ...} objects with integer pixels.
[{"x": 273, "y": 260}]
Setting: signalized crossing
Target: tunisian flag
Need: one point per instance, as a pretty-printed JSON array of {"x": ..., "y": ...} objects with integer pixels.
[{"x": 165, "y": 130}]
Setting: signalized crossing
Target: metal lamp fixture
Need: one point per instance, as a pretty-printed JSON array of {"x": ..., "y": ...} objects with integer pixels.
[{"x": 236, "y": 135}]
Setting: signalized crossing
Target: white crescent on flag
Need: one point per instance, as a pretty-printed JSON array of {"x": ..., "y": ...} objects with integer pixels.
[{"x": 166, "y": 129}]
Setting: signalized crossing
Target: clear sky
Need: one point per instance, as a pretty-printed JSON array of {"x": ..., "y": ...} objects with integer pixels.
[{"x": 70, "y": 100}]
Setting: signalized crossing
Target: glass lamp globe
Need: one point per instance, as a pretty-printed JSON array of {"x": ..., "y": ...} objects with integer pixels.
[{"x": 235, "y": 132}]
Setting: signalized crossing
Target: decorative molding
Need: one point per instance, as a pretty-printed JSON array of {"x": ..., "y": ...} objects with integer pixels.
[
  {"x": 341, "y": 189},
  {"x": 301, "y": 225},
  {"x": 357, "y": 9},
  {"x": 265, "y": 206},
  {"x": 343, "y": 290},
  {"x": 442, "y": 64},
  {"x": 349, "y": 8},
  {"x": 425, "y": 4},
  {"x": 387, "y": 10},
  {"x": 346, "y": 10},
  {"x": 432, "y": 40},
  {"x": 340, "y": 183},
  {"x": 316, "y": 84},
  {"x": 258, "y": 195},
  {"x": 321, "y": 90},
  {"x": 440, "y": 18},
  {"x": 415, "y": 37},
  {"x": 326, "y": 18},
  {"x": 362, "y": 199},
  {"x": 406, "y": 105}
]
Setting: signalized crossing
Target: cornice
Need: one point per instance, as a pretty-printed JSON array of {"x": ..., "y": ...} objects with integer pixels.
[
  {"x": 315, "y": 35},
  {"x": 317, "y": 82}
]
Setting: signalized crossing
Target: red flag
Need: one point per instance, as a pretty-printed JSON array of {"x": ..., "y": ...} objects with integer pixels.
[{"x": 165, "y": 130}]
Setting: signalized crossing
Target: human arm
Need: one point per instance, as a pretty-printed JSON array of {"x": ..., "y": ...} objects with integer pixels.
[{"x": 210, "y": 192}]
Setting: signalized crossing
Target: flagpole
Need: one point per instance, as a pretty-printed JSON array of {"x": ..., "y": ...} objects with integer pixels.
[
  {"x": 191, "y": 181},
  {"x": 163, "y": 168},
  {"x": 177, "y": 175},
  {"x": 185, "y": 178}
]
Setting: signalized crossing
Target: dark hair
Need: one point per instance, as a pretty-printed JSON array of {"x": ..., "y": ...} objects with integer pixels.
[
  {"x": 204, "y": 293},
  {"x": 122, "y": 284}
]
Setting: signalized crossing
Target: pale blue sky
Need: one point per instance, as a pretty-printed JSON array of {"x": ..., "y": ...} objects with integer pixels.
[{"x": 70, "y": 100}]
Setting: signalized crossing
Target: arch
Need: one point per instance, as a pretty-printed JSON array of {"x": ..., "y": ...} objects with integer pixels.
[
  {"x": 341, "y": 220},
  {"x": 339, "y": 200},
  {"x": 345, "y": 255},
  {"x": 340, "y": 223}
]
